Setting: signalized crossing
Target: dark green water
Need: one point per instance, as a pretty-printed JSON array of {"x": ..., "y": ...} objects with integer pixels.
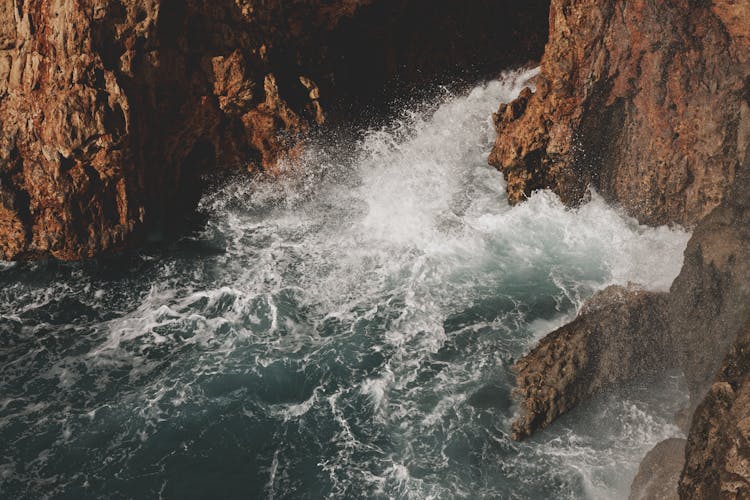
[{"x": 344, "y": 334}]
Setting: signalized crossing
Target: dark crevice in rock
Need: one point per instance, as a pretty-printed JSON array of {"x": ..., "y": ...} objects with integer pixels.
[
  {"x": 153, "y": 81},
  {"x": 398, "y": 49},
  {"x": 15, "y": 206}
]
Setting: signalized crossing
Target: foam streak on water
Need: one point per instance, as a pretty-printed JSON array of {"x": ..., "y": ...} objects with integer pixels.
[{"x": 347, "y": 331}]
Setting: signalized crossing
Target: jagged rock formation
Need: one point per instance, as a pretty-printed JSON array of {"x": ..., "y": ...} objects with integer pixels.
[
  {"x": 691, "y": 328},
  {"x": 709, "y": 302},
  {"x": 646, "y": 101},
  {"x": 112, "y": 110},
  {"x": 700, "y": 327},
  {"x": 718, "y": 448},
  {"x": 619, "y": 334},
  {"x": 649, "y": 103}
]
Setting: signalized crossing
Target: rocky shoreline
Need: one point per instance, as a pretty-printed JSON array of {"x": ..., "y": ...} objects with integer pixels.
[
  {"x": 649, "y": 103},
  {"x": 112, "y": 112}
]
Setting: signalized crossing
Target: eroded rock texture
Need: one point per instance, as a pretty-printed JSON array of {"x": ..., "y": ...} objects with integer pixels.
[
  {"x": 649, "y": 102},
  {"x": 700, "y": 327},
  {"x": 709, "y": 302},
  {"x": 659, "y": 473},
  {"x": 718, "y": 449},
  {"x": 618, "y": 335},
  {"x": 646, "y": 101},
  {"x": 111, "y": 110}
]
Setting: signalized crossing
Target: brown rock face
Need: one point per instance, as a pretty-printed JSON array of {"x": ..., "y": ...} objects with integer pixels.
[
  {"x": 618, "y": 335},
  {"x": 112, "y": 110},
  {"x": 709, "y": 301},
  {"x": 660, "y": 472},
  {"x": 718, "y": 449},
  {"x": 700, "y": 326},
  {"x": 646, "y": 101},
  {"x": 709, "y": 316},
  {"x": 649, "y": 102}
]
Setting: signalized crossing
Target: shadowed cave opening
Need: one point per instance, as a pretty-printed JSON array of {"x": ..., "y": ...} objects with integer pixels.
[{"x": 372, "y": 65}]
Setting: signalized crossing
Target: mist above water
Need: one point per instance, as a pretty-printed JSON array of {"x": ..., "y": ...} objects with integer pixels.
[{"x": 346, "y": 331}]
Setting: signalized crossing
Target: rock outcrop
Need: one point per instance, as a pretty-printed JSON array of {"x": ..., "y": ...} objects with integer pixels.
[
  {"x": 618, "y": 335},
  {"x": 701, "y": 327},
  {"x": 646, "y": 101},
  {"x": 622, "y": 335},
  {"x": 659, "y": 473},
  {"x": 709, "y": 320},
  {"x": 709, "y": 302},
  {"x": 111, "y": 111},
  {"x": 718, "y": 448},
  {"x": 649, "y": 103}
]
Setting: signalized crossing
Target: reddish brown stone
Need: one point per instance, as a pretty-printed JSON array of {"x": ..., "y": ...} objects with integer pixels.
[
  {"x": 646, "y": 101},
  {"x": 617, "y": 337},
  {"x": 112, "y": 110},
  {"x": 718, "y": 449}
]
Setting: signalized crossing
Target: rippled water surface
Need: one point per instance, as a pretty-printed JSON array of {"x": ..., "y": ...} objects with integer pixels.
[{"x": 347, "y": 332}]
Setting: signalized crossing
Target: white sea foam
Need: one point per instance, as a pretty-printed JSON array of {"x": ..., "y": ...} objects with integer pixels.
[{"x": 369, "y": 309}]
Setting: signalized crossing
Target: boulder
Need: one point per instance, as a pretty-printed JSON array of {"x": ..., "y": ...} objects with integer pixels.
[{"x": 619, "y": 335}]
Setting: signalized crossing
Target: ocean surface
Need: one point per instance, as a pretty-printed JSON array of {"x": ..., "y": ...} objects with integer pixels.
[{"x": 346, "y": 332}]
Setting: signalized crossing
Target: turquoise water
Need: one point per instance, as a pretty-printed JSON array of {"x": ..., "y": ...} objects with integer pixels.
[{"x": 344, "y": 332}]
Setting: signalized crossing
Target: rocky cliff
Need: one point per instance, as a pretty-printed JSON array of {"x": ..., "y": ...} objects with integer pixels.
[
  {"x": 718, "y": 448},
  {"x": 645, "y": 100},
  {"x": 699, "y": 327},
  {"x": 709, "y": 316},
  {"x": 111, "y": 111},
  {"x": 649, "y": 103}
]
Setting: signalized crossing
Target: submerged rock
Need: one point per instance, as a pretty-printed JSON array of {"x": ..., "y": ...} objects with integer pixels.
[{"x": 619, "y": 334}]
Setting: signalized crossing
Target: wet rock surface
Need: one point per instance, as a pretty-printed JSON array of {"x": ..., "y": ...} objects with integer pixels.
[
  {"x": 645, "y": 101},
  {"x": 648, "y": 103},
  {"x": 709, "y": 301},
  {"x": 700, "y": 327},
  {"x": 112, "y": 111},
  {"x": 619, "y": 334},
  {"x": 718, "y": 448},
  {"x": 660, "y": 471}
]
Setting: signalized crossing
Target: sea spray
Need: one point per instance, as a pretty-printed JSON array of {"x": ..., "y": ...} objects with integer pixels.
[{"x": 346, "y": 330}]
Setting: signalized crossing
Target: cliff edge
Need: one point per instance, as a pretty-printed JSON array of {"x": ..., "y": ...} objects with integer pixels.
[
  {"x": 112, "y": 112},
  {"x": 648, "y": 102}
]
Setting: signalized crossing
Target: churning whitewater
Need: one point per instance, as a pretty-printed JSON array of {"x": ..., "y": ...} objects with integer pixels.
[{"x": 345, "y": 332}]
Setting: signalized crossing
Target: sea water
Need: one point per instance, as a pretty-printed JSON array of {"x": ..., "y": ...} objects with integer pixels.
[{"x": 345, "y": 331}]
